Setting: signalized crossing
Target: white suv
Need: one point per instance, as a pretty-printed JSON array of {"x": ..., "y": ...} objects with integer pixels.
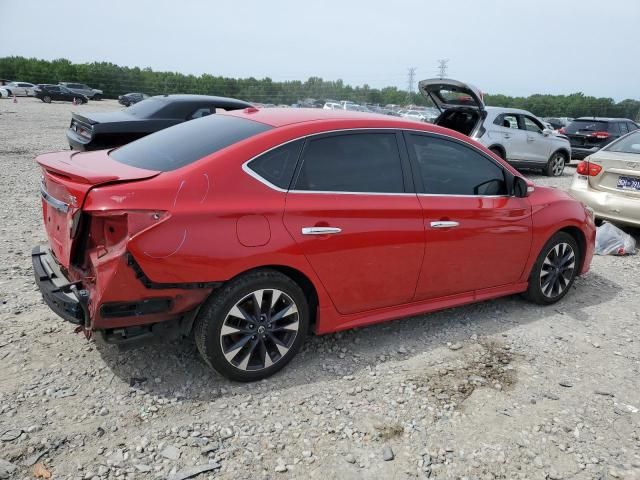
[{"x": 516, "y": 135}]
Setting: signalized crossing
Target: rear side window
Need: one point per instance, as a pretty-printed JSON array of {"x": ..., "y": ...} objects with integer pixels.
[
  {"x": 623, "y": 128},
  {"x": 450, "y": 168},
  {"x": 360, "y": 162},
  {"x": 507, "y": 121},
  {"x": 277, "y": 166},
  {"x": 187, "y": 142}
]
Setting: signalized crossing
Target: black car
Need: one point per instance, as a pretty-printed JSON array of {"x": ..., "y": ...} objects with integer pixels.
[
  {"x": 589, "y": 134},
  {"x": 47, "y": 93},
  {"x": 129, "y": 99},
  {"x": 96, "y": 131}
]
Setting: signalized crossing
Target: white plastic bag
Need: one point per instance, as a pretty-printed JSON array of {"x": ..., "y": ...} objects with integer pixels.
[{"x": 610, "y": 240}]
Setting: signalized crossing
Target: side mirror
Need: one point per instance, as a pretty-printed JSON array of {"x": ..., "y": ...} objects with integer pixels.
[
  {"x": 521, "y": 187},
  {"x": 546, "y": 132}
]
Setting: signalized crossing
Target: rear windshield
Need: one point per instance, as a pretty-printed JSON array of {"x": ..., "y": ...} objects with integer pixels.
[
  {"x": 146, "y": 108},
  {"x": 627, "y": 144},
  {"x": 187, "y": 142},
  {"x": 586, "y": 126}
]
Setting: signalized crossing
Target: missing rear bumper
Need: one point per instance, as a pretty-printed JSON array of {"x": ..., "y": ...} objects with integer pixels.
[{"x": 62, "y": 296}]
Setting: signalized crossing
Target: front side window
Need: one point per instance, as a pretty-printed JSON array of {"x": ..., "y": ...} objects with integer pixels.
[
  {"x": 623, "y": 128},
  {"x": 277, "y": 166},
  {"x": 531, "y": 125},
  {"x": 360, "y": 162},
  {"x": 451, "y": 168}
]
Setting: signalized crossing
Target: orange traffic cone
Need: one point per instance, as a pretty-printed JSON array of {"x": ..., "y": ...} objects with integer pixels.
[{"x": 15, "y": 100}]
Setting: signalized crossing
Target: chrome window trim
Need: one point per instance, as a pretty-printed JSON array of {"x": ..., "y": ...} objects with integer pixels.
[
  {"x": 460, "y": 195},
  {"x": 250, "y": 172}
]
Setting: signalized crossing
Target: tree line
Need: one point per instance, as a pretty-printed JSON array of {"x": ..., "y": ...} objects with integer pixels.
[{"x": 116, "y": 80}]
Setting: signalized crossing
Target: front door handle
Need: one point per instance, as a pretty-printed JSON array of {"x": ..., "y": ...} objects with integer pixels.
[
  {"x": 444, "y": 224},
  {"x": 320, "y": 230},
  {"x": 530, "y": 139}
]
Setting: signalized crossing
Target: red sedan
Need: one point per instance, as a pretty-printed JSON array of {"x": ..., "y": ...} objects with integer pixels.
[{"x": 251, "y": 227}]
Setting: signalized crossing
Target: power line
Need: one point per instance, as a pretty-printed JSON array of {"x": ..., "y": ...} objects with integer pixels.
[{"x": 442, "y": 67}]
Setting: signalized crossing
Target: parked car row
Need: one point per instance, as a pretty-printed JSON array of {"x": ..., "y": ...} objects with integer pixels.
[{"x": 81, "y": 91}]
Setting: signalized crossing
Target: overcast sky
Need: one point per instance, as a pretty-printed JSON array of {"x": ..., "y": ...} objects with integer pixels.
[{"x": 513, "y": 47}]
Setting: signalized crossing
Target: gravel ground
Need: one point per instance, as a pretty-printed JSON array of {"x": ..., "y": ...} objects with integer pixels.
[{"x": 501, "y": 389}]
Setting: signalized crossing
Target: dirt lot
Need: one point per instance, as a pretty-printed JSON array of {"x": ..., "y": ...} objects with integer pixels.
[{"x": 502, "y": 389}]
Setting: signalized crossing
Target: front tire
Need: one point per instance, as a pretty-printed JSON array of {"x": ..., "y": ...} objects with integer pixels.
[
  {"x": 555, "y": 270},
  {"x": 46, "y": 99},
  {"x": 253, "y": 326},
  {"x": 555, "y": 165}
]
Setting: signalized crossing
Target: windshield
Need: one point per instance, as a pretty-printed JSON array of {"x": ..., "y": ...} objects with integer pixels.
[
  {"x": 187, "y": 142},
  {"x": 586, "y": 126},
  {"x": 146, "y": 108},
  {"x": 627, "y": 144}
]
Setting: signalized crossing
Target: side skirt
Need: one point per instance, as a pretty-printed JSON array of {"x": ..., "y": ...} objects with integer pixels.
[{"x": 346, "y": 322}]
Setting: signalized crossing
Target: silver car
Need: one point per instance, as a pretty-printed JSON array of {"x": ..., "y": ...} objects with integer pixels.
[
  {"x": 516, "y": 135},
  {"x": 608, "y": 181},
  {"x": 86, "y": 90},
  {"x": 19, "y": 89}
]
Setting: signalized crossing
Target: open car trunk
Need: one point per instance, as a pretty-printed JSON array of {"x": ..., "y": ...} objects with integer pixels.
[{"x": 460, "y": 104}]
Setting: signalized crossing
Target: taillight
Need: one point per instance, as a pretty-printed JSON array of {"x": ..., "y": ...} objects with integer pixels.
[
  {"x": 562, "y": 130},
  {"x": 600, "y": 135},
  {"x": 110, "y": 228},
  {"x": 588, "y": 168}
]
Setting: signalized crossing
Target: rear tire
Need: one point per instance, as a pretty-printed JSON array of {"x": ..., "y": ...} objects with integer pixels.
[
  {"x": 253, "y": 326},
  {"x": 555, "y": 270},
  {"x": 555, "y": 165},
  {"x": 46, "y": 99}
]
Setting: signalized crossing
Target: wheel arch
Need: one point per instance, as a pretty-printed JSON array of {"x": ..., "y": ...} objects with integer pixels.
[
  {"x": 578, "y": 236},
  {"x": 564, "y": 151},
  {"x": 500, "y": 148},
  {"x": 301, "y": 279}
]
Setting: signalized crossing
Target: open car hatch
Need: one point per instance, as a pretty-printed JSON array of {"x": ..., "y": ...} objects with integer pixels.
[{"x": 447, "y": 93}]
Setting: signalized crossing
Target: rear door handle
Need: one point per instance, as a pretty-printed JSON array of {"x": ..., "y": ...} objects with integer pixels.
[
  {"x": 530, "y": 139},
  {"x": 444, "y": 224},
  {"x": 320, "y": 230},
  {"x": 507, "y": 135}
]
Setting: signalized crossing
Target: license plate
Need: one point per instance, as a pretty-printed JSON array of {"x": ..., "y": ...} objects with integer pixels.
[{"x": 629, "y": 183}]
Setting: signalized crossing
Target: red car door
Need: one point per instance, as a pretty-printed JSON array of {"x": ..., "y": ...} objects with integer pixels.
[
  {"x": 356, "y": 223},
  {"x": 477, "y": 236}
]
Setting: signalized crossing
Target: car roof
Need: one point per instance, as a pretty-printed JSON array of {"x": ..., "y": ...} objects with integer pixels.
[
  {"x": 185, "y": 97},
  {"x": 280, "y": 117},
  {"x": 603, "y": 119},
  {"x": 498, "y": 110}
]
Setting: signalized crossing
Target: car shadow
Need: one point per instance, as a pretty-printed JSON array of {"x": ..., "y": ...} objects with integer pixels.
[{"x": 174, "y": 370}]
